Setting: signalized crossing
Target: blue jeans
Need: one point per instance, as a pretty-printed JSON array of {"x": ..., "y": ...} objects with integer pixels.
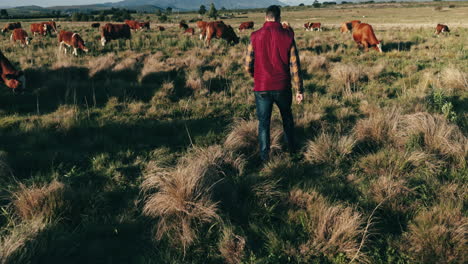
[{"x": 264, "y": 102}]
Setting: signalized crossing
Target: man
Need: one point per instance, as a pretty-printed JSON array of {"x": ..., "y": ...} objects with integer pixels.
[{"x": 273, "y": 61}]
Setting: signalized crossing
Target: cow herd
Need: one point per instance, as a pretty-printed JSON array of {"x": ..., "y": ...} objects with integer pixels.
[{"x": 362, "y": 33}]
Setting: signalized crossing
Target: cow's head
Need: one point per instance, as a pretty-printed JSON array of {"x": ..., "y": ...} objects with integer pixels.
[
  {"x": 446, "y": 29},
  {"x": 15, "y": 81}
]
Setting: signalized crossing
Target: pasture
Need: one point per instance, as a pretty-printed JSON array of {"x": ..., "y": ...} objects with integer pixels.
[{"x": 144, "y": 151}]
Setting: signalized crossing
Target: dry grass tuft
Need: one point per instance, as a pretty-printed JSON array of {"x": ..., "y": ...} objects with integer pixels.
[
  {"x": 182, "y": 201},
  {"x": 346, "y": 75},
  {"x": 39, "y": 202},
  {"x": 332, "y": 229},
  {"x": 130, "y": 62},
  {"x": 313, "y": 62},
  {"x": 455, "y": 79},
  {"x": 64, "y": 118},
  {"x": 243, "y": 138},
  {"x": 231, "y": 246},
  {"x": 328, "y": 148},
  {"x": 439, "y": 234},
  {"x": 392, "y": 193},
  {"x": 194, "y": 81},
  {"x": 378, "y": 127},
  {"x": 439, "y": 136},
  {"x": 102, "y": 63},
  {"x": 154, "y": 64},
  {"x": 20, "y": 236}
]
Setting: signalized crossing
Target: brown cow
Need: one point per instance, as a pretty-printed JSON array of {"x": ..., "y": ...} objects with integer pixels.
[
  {"x": 183, "y": 25},
  {"x": 201, "y": 25},
  {"x": 95, "y": 25},
  {"x": 133, "y": 24},
  {"x": 21, "y": 35},
  {"x": 51, "y": 24},
  {"x": 73, "y": 40},
  {"x": 307, "y": 26},
  {"x": 161, "y": 28},
  {"x": 348, "y": 26},
  {"x": 441, "y": 29},
  {"x": 190, "y": 31},
  {"x": 41, "y": 29},
  {"x": 363, "y": 34},
  {"x": 10, "y": 76},
  {"x": 315, "y": 26},
  {"x": 114, "y": 31},
  {"x": 11, "y": 26},
  {"x": 218, "y": 30},
  {"x": 246, "y": 25}
]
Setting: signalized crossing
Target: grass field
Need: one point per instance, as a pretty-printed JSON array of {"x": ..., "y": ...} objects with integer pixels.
[{"x": 145, "y": 151}]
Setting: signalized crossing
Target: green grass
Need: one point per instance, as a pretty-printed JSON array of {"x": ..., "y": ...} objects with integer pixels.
[{"x": 108, "y": 123}]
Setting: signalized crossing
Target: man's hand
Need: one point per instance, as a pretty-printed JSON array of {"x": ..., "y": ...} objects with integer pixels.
[{"x": 299, "y": 97}]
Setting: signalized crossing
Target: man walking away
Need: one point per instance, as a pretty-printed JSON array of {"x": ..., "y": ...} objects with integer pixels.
[{"x": 273, "y": 61}]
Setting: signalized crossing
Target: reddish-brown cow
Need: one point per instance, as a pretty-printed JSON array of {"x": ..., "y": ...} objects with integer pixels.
[
  {"x": 133, "y": 24},
  {"x": 348, "y": 26},
  {"x": 10, "y": 76},
  {"x": 441, "y": 29},
  {"x": 316, "y": 26},
  {"x": 363, "y": 34},
  {"x": 218, "y": 30},
  {"x": 246, "y": 25},
  {"x": 19, "y": 34},
  {"x": 41, "y": 29},
  {"x": 11, "y": 26},
  {"x": 201, "y": 25},
  {"x": 73, "y": 40},
  {"x": 114, "y": 31},
  {"x": 52, "y": 25}
]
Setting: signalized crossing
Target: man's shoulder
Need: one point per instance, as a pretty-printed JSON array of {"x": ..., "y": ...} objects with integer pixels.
[{"x": 256, "y": 32}]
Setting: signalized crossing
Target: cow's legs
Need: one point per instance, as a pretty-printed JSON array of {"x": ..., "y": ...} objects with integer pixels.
[{"x": 75, "y": 51}]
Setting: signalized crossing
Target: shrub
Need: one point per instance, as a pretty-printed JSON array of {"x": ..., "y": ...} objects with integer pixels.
[
  {"x": 231, "y": 246},
  {"x": 328, "y": 148}
]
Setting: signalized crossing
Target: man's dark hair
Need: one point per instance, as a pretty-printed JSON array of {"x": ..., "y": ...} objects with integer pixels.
[{"x": 273, "y": 12}]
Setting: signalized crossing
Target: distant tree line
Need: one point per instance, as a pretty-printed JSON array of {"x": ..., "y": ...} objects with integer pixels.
[{"x": 113, "y": 14}]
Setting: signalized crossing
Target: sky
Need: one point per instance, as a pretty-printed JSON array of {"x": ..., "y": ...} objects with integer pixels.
[{"x": 46, "y": 3}]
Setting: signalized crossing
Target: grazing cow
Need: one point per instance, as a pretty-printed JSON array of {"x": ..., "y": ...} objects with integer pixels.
[
  {"x": 218, "y": 30},
  {"x": 10, "y": 76},
  {"x": 41, "y": 29},
  {"x": 307, "y": 26},
  {"x": 315, "y": 26},
  {"x": 161, "y": 28},
  {"x": 51, "y": 24},
  {"x": 114, "y": 31},
  {"x": 201, "y": 25},
  {"x": 21, "y": 35},
  {"x": 183, "y": 25},
  {"x": 73, "y": 40},
  {"x": 133, "y": 24},
  {"x": 348, "y": 26},
  {"x": 190, "y": 31},
  {"x": 246, "y": 25},
  {"x": 11, "y": 26},
  {"x": 95, "y": 25},
  {"x": 363, "y": 34},
  {"x": 441, "y": 29}
]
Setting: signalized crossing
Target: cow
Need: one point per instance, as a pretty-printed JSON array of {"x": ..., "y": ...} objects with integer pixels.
[
  {"x": 51, "y": 24},
  {"x": 19, "y": 34},
  {"x": 161, "y": 28},
  {"x": 183, "y": 25},
  {"x": 441, "y": 29},
  {"x": 73, "y": 40},
  {"x": 315, "y": 26},
  {"x": 307, "y": 26},
  {"x": 144, "y": 25},
  {"x": 363, "y": 34},
  {"x": 41, "y": 29},
  {"x": 218, "y": 30},
  {"x": 246, "y": 25},
  {"x": 114, "y": 31},
  {"x": 348, "y": 26},
  {"x": 95, "y": 25},
  {"x": 133, "y": 24},
  {"x": 201, "y": 25},
  {"x": 10, "y": 76},
  {"x": 190, "y": 31},
  {"x": 11, "y": 26}
]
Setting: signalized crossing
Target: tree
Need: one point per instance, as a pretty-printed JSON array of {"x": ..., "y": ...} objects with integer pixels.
[
  {"x": 158, "y": 12},
  {"x": 213, "y": 13},
  {"x": 202, "y": 10},
  {"x": 169, "y": 10},
  {"x": 3, "y": 13},
  {"x": 316, "y": 4},
  {"x": 301, "y": 4}
]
